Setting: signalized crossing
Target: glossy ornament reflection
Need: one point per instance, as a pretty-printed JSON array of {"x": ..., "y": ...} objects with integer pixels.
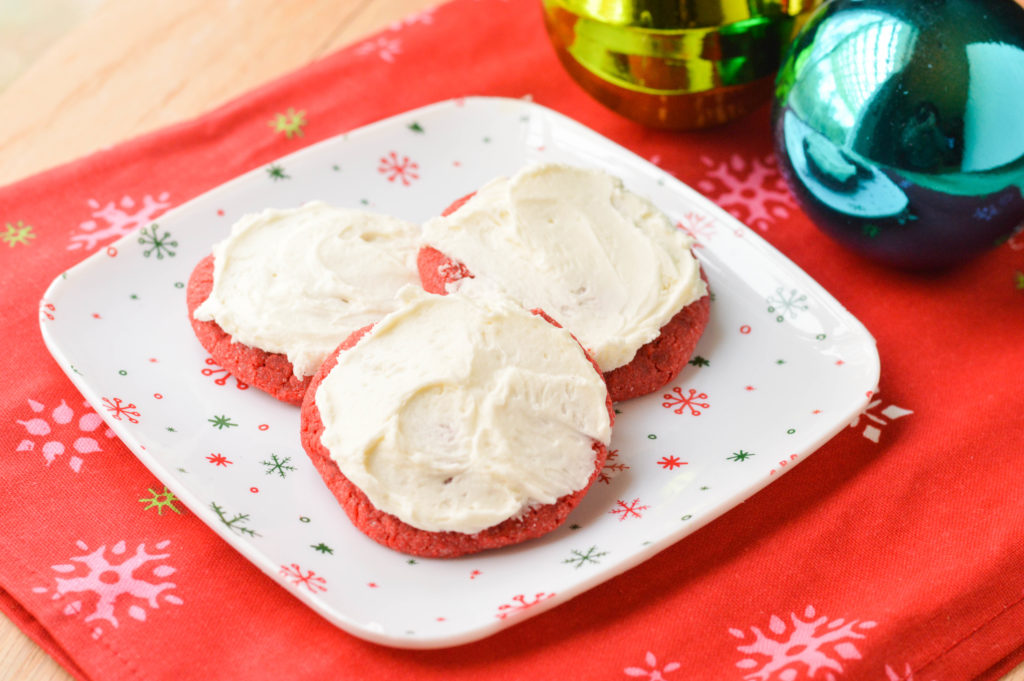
[
  {"x": 899, "y": 126},
  {"x": 675, "y": 64}
]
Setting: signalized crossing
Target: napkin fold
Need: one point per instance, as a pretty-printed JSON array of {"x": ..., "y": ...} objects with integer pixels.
[{"x": 894, "y": 552}]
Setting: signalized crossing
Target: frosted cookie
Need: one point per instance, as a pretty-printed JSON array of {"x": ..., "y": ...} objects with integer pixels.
[
  {"x": 601, "y": 260},
  {"x": 287, "y": 286},
  {"x": 456, "y": 425}
]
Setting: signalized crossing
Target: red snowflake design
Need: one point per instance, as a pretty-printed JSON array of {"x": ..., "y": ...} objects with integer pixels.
[
  {"x": 670, "y": 462},
  {"x": 520, "y": 603},
  {"x": 403, "y": 169},
  {"x": 218, "y": 459},
  {"x": 691, "y": 401},
  {"x": 298, "y": 577},
  {"x": 612, "y": 467},
  {"x": 118, "y": 408},
  {"x": 212, "y": 369},
  {"x": 44, "y": 434},
  {"x": 631, "y": 510}
]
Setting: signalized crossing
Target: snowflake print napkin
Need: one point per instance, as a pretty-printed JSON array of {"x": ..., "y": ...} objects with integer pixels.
[{"x": 892, "y": 553}]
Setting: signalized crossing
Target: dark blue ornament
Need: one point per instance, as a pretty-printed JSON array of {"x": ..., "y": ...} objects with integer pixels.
[{"x": 899, "y": 126}]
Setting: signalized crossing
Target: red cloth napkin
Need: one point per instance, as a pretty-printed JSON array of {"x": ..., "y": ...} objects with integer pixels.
[{"x": 895, "y": 552}]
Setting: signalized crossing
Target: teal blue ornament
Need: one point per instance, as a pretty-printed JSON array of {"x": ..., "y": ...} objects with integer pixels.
[{"x": 899, "y": 126}]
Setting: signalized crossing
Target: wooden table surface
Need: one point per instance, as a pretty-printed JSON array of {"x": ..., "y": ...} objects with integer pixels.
[{"x": 132, "y": 67}]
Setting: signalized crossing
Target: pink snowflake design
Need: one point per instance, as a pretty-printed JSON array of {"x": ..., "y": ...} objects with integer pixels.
[
  {"x": 699, "y": 226},
  {"x": 751, "y": 189},
  {"x": 384, "y": 47},
  {"x": 403, "y": 169},
  {"x": 298, "y": 577},
  {"x": 612, "y": 467},
  {"x": 653, "y": 672},
  {"x": 118, "y": 408},
  {"x": 114, "y": 220},
  {"x": 108, "y": 586},
  {"x": 212, "y": 369},
  {"x": 425, "y": 17},
  {"x": 872, "y": 432},
  {"x": 43, "y": 433},
  {"x": 520, "y": 603},
  {"x": 681, "y": 402},
  {"x": 892, "y": 675},
  {"x": 631, "y": 510},
  {"x": 813, "y": 644}
]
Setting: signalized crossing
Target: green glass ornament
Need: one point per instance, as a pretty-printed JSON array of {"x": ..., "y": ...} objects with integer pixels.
[
  {"x": 675, "y": 64},
  {"x": 899, "y": 126}
]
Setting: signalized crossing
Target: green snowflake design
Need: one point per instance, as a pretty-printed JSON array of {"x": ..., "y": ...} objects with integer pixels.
[
  {"x": 18, "y": 233},
  {"x": 290, "y": 123},
  {"x": 416, "y": 127},
  {"x": 580, "y": 558},
  {"x": 235, "y": 523},
  {"x": 161, "y": 244},
  {"x": 699, "y": 361},
  {"x": 739, "y": 456},
  {"x": 276, "y": 173},
  {"x": 322, "y": 548},
  {"x": 222, "y": 422},
  {"x": 160, "y": 501},
  {"x": 279, "y": 466}
]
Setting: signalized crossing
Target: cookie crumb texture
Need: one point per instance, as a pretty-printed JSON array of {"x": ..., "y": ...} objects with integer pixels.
[
  {"x": 388, "y": 530},
  {"x": 271, "y": 372}
]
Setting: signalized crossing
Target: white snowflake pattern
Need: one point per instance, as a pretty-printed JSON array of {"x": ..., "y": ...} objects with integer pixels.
[
  {"x": 114, "y": 220},
  {"x": 751, "y": 189},
  {"x": 814, "y": 643},
  {"x": 44, "y": 436},
  {"x": 652, "y": 672},
  {"x": 113, "y": 588},
  {"x": 891, "y": 412},
  {"x": 386, "y": 48}
]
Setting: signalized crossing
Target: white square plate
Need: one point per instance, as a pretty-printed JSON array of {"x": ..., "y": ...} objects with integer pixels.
[{"x": 781, "y": 368}]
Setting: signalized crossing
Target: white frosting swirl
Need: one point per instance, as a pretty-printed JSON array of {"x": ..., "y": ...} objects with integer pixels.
[
  {"x": 299, "y": 281},
  {"x": 574, "y": 242},
  {"x": 457, "y": 413}
]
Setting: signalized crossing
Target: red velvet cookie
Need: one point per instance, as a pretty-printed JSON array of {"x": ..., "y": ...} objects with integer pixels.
[
  {"x": 271, "y": 372},
  {"x": 654, "y": 364},
  {"x": 392, "y": 532}
]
